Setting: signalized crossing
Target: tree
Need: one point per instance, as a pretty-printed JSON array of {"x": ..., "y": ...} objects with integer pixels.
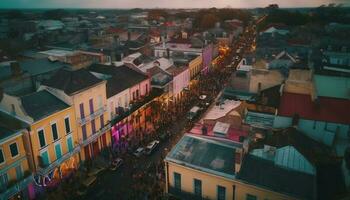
[
  {"x": 56, "y": 14},
  {"x": 15, "y": 14}
]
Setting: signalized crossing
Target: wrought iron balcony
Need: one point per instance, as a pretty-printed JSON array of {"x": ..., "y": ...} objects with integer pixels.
[
  {"x": 44, "y": 170},
  {"x": 17, "y": 187},
  {"x": 95, "y": 135},
  {"x": 92, "y": 116},
  {"x": 184, "y": 195}
]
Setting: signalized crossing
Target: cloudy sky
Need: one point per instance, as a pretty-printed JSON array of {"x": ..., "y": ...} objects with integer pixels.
[{"x": 161, "y": 3}]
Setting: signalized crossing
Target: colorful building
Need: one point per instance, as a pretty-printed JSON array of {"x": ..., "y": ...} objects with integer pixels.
[
  {"x": 52, "y": 138},
  {"x": 202, "y": 167},
  {"x": 128, "y": 92},
  {"x": 16, "y": 178},
  {"x": 87, "y": 95}
]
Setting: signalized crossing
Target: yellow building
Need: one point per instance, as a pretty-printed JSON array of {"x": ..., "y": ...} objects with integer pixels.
[
  {"x": 202, "y": 167},
  {"x": 52, "y": 141},
  {"x": 195, "y": 66},
  {"x": 87, "y": 95},
  {"x": 15, "y": 175}
]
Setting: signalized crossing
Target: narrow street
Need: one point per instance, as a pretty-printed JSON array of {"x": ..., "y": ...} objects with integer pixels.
[{"x": 137, "y": 178}]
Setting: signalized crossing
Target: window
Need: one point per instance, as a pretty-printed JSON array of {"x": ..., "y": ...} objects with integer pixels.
[
  {"x": 14, "y": 149},
  {"x": 67, "y": 125},
  {"x": 70, "y": 144},
  {"x": 3, "y": 181},
  {"x": 102, "y": 121},
  {"x": 177, "y": 181},
  {"x": 41, "y": 136},
  {"x": 197, "y": 187},
  {"x": 221, "y": 193},
  {"x": 45, "y": 158},
  {"x": 2, "y": 158},
  {"x": 83, "y": 129},
  {"x": 146, "y": 89},
  {"x": 58, "y": 150},
  {"x": 54, "y": 131},
  {"x": 19, "y": 172},
  {"x": 91, "y": 105},
  {"x": 82, "y": 114},
  {"x": 99, "y": 99},
  {"x": 133, "y": 95},
  {"x": 250, "y": 197},
  {"x": 93, "y": 126},
  {"x": 137, "y": 94}
]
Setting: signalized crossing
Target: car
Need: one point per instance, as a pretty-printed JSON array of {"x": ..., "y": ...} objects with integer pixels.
[
  {"x": 193, "y": 112},
  {"x": 139, "y": 151},
  {"x": 151, "y": 146},
  {"x": 202, "y": 97},
  {"x": 115, "y": 164}
]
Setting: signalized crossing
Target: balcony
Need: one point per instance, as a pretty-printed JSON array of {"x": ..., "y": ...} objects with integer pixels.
[
  {"x": 44, "y": 170},
  {"x": 136, "y": 105},
  {"x": 92, "y": 116},
  {"x": 184, "y": 195},
  {"x": 95, "y": 135},
  {"x": 17, "y": 187}
]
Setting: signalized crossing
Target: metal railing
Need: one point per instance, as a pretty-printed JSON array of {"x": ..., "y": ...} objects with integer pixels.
[
  {"x": 95, "y": 135},
  {"x": 16, "y": 188},
  {"x": 43, "y": 170},
  {"x": 92, "y": 116}
]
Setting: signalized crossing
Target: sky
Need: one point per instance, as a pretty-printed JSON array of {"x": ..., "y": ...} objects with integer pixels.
[{"x": 162, "y": 3}]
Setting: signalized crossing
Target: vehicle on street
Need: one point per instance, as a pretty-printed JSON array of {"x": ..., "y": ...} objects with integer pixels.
[
  {"x": 151, "y": 146},
  {"x": 139, "y": 151},
  {"x": 115, "y": 164},
  {"x": 83, "y": 188},
  {"x": 193, "y": 112}
]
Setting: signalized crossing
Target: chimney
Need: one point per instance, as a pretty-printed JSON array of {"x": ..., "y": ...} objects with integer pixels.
[
  {"x": 238, "y": 160},
  {"x": 15, "y": 69}
]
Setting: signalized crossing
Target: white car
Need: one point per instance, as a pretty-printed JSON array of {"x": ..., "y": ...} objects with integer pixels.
[
  {"x": 151, "y": 146},
  {"x": 139, "y": 151}
]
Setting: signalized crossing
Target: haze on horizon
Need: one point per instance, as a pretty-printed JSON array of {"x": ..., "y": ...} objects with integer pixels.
[{"x": 162, "y": 3}]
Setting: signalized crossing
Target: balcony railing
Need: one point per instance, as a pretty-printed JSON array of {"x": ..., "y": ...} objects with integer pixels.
[
  {"x": 136, "y": 105},
  {"x": 44, "y": 170},
  {"x": 92, "y": 116},
  {"x": 95, "y": 135},
  {"x": 184, "y": 195},
  {"x": 17, "y": 187}
]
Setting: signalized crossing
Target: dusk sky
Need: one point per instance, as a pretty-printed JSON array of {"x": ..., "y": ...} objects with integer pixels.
[{"x": 161, "y": 3}]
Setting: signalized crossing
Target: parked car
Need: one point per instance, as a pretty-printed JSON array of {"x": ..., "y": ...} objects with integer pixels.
[
  {"x": 193, "y": 112},
  {"x": 116, "y": 163},
  {"x": 83, "y": 188},
  {"x": 139, "y": 151},
  {"x": 151, "y": 146}
]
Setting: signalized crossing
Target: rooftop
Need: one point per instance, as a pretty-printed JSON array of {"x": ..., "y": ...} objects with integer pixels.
[
  {"x": 222, "y": 110},
  {"x": 121, "y": 77},
  {"x": 323, "y": 109},
  {"x": 72, "y": 81},
  {"x": 41, "y": 104},
  {"x": 265, "y": 173},
  {"x": 216, "y": 156},
  {"x": 9, "y": 125},
  {"x": 332, "y": 86}
]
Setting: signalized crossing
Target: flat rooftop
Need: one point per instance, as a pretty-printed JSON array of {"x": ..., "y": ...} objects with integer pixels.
[{"x": 212, "y": 155}]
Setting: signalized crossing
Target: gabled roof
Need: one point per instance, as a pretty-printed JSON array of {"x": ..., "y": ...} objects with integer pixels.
[
  {"x": 122, "y": 77},
  {"x": 72, "y": 81},
  {"x": 323, "y": 109},
  {"x": 9, "y": 125},
  {"x": 42, "y": 104},
  {"x": 265, "y": 173}
]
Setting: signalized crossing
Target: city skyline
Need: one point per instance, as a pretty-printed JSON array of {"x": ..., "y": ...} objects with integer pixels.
[{"x": 8, "y": 4}]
